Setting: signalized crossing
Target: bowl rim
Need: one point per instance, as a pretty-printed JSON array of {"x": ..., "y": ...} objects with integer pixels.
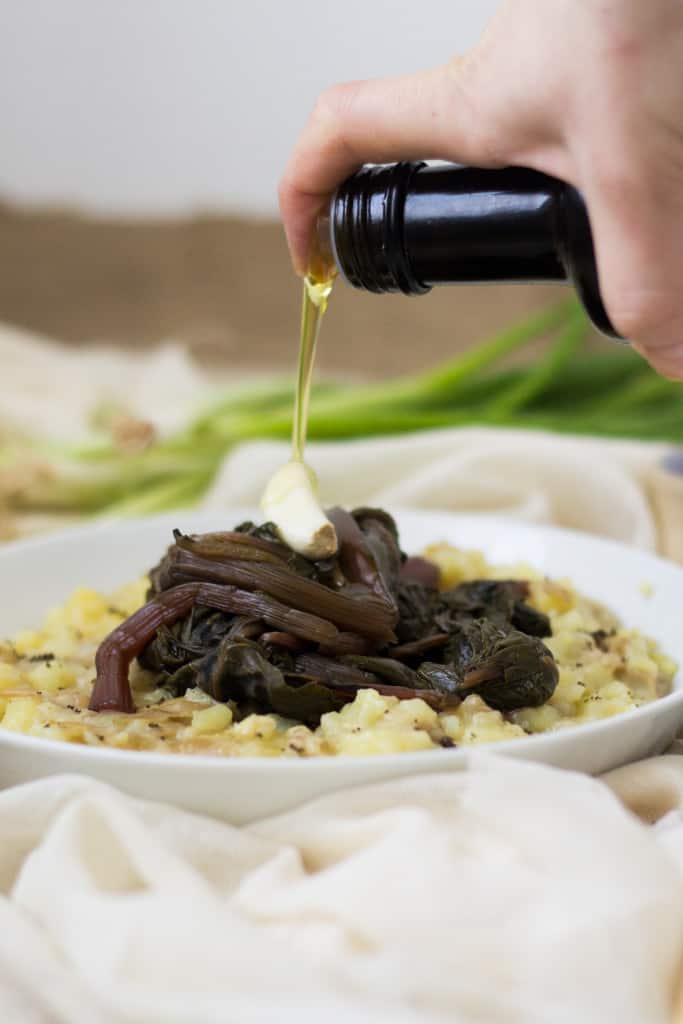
[{"x": 293, "y": 765}]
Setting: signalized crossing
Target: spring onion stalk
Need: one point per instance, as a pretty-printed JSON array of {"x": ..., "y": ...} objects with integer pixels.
[
  {"x": 535, "y": 380},
  {"x": 643, "y": 389},
  {"x": 569, "y": 389},
  {"x": 447, "y": 383},
  {"x": 591, "y": 379},
  {"x": 448, "y": 379},
  {"x": 182, "y": 492}
]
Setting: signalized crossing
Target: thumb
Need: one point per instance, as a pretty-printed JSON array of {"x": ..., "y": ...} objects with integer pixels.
[{"x": 428, "y": 115}]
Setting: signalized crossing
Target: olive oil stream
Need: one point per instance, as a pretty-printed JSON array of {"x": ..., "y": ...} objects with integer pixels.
[
  {"x": 291, "y": 500},
  {"x": 313, "y": 306}
]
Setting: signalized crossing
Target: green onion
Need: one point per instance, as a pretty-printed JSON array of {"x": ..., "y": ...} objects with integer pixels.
[
  {"x": 536, "y": 379},
  {"x": 570, "y": 389}
]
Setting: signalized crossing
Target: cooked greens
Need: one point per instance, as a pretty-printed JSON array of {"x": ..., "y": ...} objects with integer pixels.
[{"x": 250, "y": 622}]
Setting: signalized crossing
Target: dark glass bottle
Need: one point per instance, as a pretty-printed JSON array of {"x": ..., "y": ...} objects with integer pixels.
[{"x": 409, "y": 226}]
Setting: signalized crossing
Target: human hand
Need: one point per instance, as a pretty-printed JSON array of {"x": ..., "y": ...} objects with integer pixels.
[{"x": 590, "y": 92}]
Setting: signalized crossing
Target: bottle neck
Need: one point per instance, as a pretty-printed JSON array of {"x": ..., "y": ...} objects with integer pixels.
[{"x": 410, "y": 226}]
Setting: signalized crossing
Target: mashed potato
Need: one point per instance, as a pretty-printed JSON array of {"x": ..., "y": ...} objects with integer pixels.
[{"x": 46, "y": 678}]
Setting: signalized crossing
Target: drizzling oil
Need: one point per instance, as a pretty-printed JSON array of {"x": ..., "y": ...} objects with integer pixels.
[
  {"x": 313, "y": 306},
  {"x": 291, "y": 500}
]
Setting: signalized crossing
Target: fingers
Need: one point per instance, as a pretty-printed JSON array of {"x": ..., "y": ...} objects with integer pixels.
[
  {"x": 420, "y": 116},
  {"x": 636, "y": 215},
  {"x": 667, "y": 360}
]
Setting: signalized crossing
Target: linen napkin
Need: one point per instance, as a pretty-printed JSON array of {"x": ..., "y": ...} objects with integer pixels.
[{"x": 503, "y": 892}]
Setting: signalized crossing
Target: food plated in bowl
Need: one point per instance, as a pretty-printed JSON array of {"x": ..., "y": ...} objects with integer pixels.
[
  {"x": 235, "y": 645},
  {"x": 597, "y": 696}
]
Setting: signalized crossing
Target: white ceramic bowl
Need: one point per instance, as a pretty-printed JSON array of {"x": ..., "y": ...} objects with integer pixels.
[{"x": 38, "y": 574}]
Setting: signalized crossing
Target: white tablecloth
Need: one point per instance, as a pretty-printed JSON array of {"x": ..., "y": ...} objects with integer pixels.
[{"x": 507, "y": 892}]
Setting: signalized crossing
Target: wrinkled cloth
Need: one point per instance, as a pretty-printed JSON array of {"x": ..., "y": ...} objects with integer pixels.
[{"x": 503, "y": 892}]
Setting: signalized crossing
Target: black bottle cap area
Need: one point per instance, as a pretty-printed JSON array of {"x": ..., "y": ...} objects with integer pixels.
[{"x": 409, "y": 226}]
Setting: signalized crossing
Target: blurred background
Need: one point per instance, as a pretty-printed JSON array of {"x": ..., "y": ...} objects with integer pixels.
[{"x": 141, "y": 146}]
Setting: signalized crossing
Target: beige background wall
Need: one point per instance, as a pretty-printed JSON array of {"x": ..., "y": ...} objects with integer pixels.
[{"x": 225, "y": 287}]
